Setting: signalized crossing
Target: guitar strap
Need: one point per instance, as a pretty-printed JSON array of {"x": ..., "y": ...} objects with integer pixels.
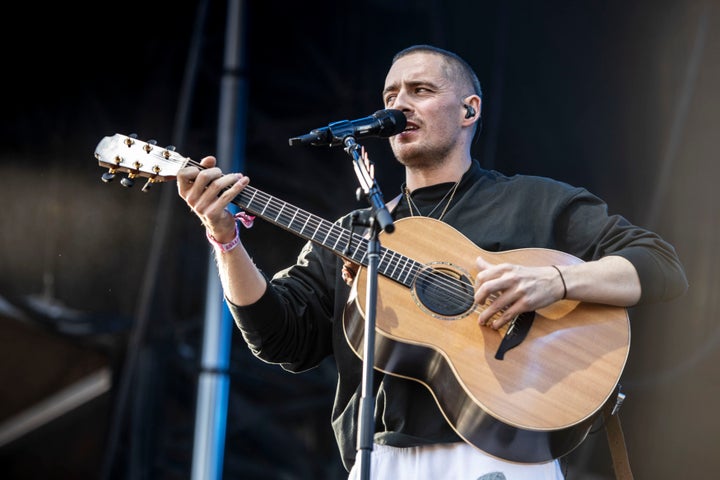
[{"x": 616, "y": 440}]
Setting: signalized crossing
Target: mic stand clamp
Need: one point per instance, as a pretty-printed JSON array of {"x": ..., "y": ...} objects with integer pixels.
[
  {"x": 368, "y": 185},
  {"x": 379, "y": 220}
]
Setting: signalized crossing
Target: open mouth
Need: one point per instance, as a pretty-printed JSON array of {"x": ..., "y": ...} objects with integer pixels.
[{"x": 410, "y": 127}]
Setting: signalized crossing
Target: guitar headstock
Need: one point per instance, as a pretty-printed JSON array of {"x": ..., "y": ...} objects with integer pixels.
[{"x": 127, "y": 154}]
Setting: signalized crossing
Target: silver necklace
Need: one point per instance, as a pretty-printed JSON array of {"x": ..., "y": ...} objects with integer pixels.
[{"x": 412, "y": 205}]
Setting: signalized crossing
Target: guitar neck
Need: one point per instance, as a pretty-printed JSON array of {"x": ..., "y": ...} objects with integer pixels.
[
  {"x": 303, "y": 224},
  {"x": 332, "y": 236},
  {"x": 122, "y": 153}
]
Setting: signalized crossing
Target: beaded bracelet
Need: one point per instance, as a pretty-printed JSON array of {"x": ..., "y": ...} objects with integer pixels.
[{"x": 225, "y": 247}]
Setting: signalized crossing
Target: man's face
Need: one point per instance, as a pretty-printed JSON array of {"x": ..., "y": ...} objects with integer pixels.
[{"x": 417, "y": 84}]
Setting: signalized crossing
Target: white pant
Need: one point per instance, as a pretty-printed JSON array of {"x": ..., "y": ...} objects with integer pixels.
[{"x": 453, "y": 461}]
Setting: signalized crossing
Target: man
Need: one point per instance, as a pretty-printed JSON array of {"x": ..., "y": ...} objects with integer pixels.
[{"x": 296, "y": 319}]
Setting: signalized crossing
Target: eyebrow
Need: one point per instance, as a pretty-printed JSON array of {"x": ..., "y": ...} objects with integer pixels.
[
  {"x": 389, "y": 88},
  {"x": 411, "y": 84}
]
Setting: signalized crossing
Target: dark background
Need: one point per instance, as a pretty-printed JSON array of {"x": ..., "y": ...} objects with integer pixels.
[{"x": 102, "y": 282}]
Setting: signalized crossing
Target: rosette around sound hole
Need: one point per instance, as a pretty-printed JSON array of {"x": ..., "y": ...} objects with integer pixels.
[{"x": 444, "y": 291}]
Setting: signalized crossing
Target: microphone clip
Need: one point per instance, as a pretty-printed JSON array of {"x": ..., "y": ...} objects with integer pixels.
[{"x": 332, "y": 136}]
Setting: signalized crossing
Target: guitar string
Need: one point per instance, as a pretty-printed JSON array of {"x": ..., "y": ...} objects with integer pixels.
[
  {"x": 324, "y": 230},
  {"x": 450, "y": 283}
]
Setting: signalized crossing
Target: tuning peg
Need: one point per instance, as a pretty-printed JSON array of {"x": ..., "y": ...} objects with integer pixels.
[
  {"x": 128, "y": 181},
  {"x": 108, "y": 176},
  {"x": 170, "y": 147},
  {"x": 149, "y": 184}
]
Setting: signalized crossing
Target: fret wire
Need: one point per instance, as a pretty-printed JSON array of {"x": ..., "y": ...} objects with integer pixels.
[
  {"x": 390, "y": 261},
  {"x": 290, "y": 222},
  {"x": 362, "y": 248},
  {"x": 252, "y": 196},
  {"x": 396, "y": 264},
  {"x": 342, "y": 239},
  {"x": 264, "y": 208},
  {"x": 395, "y": 267},
  {"x": 315, "y": 231},
  {"x": 330, "y": 236},
  {"x": 307, "y": 227},
  {"x": 359, "y": 249},
  {"x": 338, "y": 238},
  {"x": 401, "y": 265},
  {"x": 280, "y": 211},
  {"x": 284, "y": 219},
  {"x": 324, "y": 241},
  {"x": 382, "y": 264},
  {"x": 404, "y": 268},
  {"x": 404, "y": 276},
  {"x": 307, "y": 218},
  {"x": 411, "y": 271}
]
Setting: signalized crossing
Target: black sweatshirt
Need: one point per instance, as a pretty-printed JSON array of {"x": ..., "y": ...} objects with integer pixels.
[{"x": 298, "y": 322}]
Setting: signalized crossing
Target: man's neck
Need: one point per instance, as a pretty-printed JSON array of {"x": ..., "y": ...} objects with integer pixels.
[{"x": 449, "y": 171}]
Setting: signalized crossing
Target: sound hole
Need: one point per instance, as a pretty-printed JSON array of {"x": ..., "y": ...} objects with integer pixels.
[{"x": 444, "y": 291}]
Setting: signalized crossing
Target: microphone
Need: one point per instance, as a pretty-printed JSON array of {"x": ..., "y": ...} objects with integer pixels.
[{"x": 383, "y": 123}]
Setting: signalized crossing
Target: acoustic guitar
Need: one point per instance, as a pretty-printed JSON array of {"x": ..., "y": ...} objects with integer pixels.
[{"x": 526, "y": 393}]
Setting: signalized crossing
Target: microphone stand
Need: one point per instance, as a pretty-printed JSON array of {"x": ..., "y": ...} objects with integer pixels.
[{"x": 378, "y": 220}]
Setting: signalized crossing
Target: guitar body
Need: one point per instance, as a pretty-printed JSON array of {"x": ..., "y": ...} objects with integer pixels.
[{"x": 535, "y": 404}]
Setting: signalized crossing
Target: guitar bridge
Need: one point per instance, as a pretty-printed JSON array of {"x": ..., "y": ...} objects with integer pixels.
[{"x": 515, "y": 334}]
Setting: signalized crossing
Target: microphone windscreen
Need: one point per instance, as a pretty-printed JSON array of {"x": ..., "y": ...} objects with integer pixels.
[{"x": 392, "y": 122}]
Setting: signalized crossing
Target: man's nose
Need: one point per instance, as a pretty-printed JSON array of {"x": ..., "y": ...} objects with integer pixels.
[{"x": 402, "y": 102}]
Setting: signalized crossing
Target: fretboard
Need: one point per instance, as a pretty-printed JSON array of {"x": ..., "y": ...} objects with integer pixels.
[{"x": 327, "y": 234}]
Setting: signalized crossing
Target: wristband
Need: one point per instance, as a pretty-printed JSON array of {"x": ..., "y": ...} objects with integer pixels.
[
  {"x": 562, "y": 279},
  {"x": 225, "y": 247}
]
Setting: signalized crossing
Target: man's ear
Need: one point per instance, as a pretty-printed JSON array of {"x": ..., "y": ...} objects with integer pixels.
[{"x": 472, "y": 104}]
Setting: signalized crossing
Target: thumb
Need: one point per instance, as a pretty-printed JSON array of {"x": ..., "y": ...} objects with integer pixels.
[{"x": 482, "y": 263}]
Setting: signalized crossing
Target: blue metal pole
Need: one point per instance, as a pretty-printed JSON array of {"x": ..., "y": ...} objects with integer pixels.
[{"x": 214, "y": 379}]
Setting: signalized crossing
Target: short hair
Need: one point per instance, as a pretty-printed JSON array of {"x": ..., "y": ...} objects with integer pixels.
[{"x": 460, "y": 68}]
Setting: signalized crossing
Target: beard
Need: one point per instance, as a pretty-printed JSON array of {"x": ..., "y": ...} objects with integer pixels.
[{"x": 420, "y": 155}]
